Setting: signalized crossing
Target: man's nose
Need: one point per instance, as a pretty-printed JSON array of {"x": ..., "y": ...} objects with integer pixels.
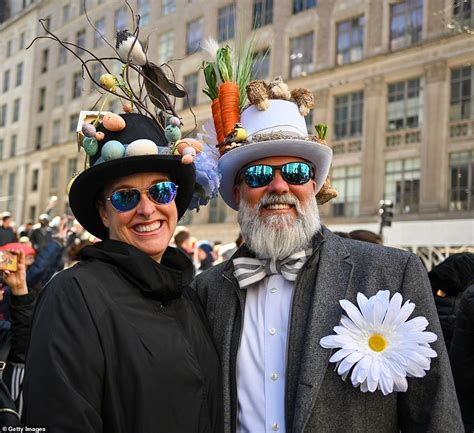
[{"x": 278, "y": 185}]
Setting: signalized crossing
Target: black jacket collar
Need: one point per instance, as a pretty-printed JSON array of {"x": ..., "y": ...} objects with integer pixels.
[{"x": 163, "y": 281}]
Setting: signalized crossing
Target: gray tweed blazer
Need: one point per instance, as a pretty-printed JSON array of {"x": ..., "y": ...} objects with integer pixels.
[{"x": 317, "y": 399}]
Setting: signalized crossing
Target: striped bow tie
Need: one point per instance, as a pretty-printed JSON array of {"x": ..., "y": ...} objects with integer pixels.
[{"x": 249, "y": 270}]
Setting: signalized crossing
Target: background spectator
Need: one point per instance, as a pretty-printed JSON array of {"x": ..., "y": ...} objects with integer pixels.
[{"x": 7, "y": 234}]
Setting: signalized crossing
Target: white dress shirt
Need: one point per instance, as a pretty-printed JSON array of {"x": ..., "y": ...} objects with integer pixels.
[{"x": 261, "y": 358}]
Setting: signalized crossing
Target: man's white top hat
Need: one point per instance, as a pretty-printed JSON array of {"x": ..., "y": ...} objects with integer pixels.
[{"x": 279, "y": 130}]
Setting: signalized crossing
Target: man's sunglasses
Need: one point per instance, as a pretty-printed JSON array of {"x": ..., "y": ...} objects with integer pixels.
[
  {"x": 295, "y": 173},
  {"x": 124, "y": 200}
]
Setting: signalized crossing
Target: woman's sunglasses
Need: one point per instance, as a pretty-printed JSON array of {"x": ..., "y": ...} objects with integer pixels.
[
  {"x": 295, "y": 173},
  {"x": 124, "y": 200}
]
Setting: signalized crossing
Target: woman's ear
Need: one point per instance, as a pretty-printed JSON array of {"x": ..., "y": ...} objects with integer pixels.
[{"x": 100, "y": 206}]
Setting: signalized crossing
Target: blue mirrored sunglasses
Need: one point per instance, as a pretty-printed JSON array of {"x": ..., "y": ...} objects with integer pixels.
[
  {"x": 124, "y": 200},
  {"x": 295, "y": 173}
]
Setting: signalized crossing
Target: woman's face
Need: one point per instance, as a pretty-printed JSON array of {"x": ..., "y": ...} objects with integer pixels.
[{"x": 148, "y": 227}]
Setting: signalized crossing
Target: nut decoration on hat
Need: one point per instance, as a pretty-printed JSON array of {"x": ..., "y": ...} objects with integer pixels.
[
  {"x": 145, "y": 137},
  {"x": 253, "y": 120}
]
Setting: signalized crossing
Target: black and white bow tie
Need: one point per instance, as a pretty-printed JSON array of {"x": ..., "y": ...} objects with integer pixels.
[{"x": 249, "y": 270}]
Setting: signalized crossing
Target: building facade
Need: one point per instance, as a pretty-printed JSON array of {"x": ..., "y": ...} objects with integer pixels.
[{"x": 393, "y": 80}]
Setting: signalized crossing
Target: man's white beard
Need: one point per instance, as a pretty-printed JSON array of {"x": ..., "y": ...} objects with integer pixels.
[{"x": 280, "y": 235}]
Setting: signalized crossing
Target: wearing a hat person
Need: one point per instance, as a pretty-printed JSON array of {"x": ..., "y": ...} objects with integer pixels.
[
  {"x": 7, "y": 234},
  {"x": 42, "y": 235},
  {"x": 119, "y": 341},
  {"x": 316, "y": 333}
]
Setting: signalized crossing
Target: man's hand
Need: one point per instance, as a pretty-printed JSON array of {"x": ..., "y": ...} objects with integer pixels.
[{"x": 16, "y": 280}]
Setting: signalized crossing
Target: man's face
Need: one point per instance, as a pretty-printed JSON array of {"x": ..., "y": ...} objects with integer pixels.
[
  {"x": 278, "y": 186},
  {"x": 6, "y": 222},
  {"x": 280, "y": 218}
]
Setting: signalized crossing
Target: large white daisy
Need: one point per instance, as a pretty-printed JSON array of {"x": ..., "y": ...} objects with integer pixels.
[{"x": 379, "y": 345}]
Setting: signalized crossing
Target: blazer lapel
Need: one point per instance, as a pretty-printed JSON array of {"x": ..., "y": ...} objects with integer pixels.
[{"x": 332, "y": 282}]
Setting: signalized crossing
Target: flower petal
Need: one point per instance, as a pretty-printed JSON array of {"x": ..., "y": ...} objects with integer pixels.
[
  {"x": 400, "y": 384},
  {"x": 404, "y": 313},
  {"x": 393, "y": 310},
  {"x": 417, "y": 324},
  {"x": 340, "y": 354},
  {"x": 353, "y": 313}
]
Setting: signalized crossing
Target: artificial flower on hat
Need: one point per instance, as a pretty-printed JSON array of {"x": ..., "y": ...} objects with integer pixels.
[
  {"x": 378, "y": 347},
  {"x": 253, "y": 119}
]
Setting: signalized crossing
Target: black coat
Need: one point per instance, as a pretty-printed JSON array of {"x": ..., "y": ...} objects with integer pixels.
[
  {"x": 462, "y": 357},
  {"x": 119, "y": 344}
]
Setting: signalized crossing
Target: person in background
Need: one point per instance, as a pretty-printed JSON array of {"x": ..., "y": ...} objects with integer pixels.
[
  {"x": 15, "y": 341},
  {"x": 7, "y": 234},
  {"x": 205, "y": 256},
  {"x": 448, "y": 279},
  {"x": 461, "y": 355},
  {"x": 366, "y": 236},
  {"x": 41, "y": 235},
  {"x": 182, "y": 240}
]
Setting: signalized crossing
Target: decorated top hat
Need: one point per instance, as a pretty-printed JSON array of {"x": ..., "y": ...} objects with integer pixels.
[{"x": 267, "y": 119}]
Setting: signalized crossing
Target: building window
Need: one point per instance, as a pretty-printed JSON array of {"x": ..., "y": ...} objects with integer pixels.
[
  {"x": 350, "y": 40},
  {"x": 226, "y": 23},
  {"x": 16, "y": 110},
  {"x": 56, "y": 135},
  {"x": 3, "y": 115},
  {"x": 261, "y": 64},
  {"x": 34, "y": 180},
  {"x": 32, "y": 213},
  {"x": 71, "y": 168},
  {"x": 73, "y": 122},
  {"x": 81, "y": 7},
  {"x": 13, "y": 145},
  {"x": 462, "y": 93},
  {"x": 11, "y": 191},
  {"x": 6, "y": 81},
  {"x": 44, "y": 60},
  {"x": 406, "y": 23},
  {"x": 405, "y": 106},
  {"x": 42, "y": 99},
  {"x": 59, "y": 94},
  {"x": 191, "y": 82},
  {"x": 47, "y": 24},
  {"x": 121, "y": 19},
  {"x": 144, "y": 8},
  {"x": 76, "y": 85},
  {"x": 461, "y": 196},
  {"x": 96, "y": 74},
  {"x": 2, "y": 144},
  {"x": 347, "y": 182},
  {"x": 19, "y": 74},
  {"x": 194, "y": 36},
  {"x": 348, "y": 115},
  {"x": 54, "y": 178},
  {"x": 39, "y": 137},
  {"x": 402, "y": 184},
  {"x": 9, "y": 48},
  {"x": 462, "y": 12},
  {"x": 62, "y": 55},
  {"x": 168, "y": 7},
  {"x": 301, "y": 5},
  {"x": 301, "y": 55},
  {"x": 21, "y": 41},
  {"x": 99, "y": 32},
  {"x": 66, "y": 13},
  {"x": 262, "y": 13},
  {"x": 217, "y": 211},
  {"x": 80, "y": 41},
  {"x": 166, "y": 47}
]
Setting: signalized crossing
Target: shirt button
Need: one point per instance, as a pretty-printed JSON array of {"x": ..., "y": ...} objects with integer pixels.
[
  {"x": 274, "y": 376},
  {"x": 275, "y": 426},
  {"x": 273, "y": 290},
  {"x": 273, "y": 331}
]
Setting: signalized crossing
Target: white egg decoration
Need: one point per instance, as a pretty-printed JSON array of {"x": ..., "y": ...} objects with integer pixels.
[
  {"x": 189, "y": 151},
  {"x": 142, "y": 146}
]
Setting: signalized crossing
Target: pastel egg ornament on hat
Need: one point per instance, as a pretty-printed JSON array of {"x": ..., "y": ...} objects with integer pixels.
[
  {"x": 279, "y": 130},
  {"x": 88, "y": 185}
]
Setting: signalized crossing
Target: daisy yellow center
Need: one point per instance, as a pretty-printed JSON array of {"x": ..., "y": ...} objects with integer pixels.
[{"x": 377, "y": 342}]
